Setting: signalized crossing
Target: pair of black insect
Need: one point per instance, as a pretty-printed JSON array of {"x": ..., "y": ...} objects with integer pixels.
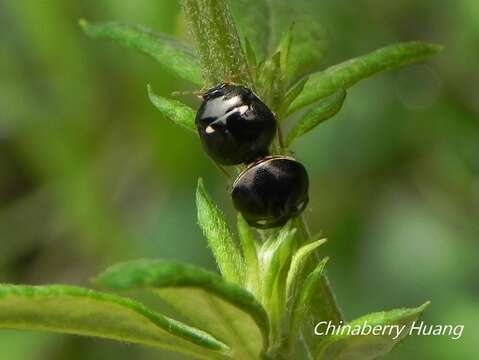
[{"x": 236, "y": 127}]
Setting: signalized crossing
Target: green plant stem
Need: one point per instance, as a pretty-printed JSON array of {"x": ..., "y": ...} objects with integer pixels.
[{"x": 217, "y": 41}]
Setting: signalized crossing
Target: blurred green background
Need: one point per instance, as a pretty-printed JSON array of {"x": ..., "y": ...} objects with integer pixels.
[{"x": 91, "y": 174}]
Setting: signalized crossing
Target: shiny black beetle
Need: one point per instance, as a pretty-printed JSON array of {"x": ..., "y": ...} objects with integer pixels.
[
  {"x": 271, "y": 191},
  {"x": 234, "y": 125}
]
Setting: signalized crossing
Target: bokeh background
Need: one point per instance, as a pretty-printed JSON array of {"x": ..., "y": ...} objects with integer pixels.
[{"x": 91, "y": 174}]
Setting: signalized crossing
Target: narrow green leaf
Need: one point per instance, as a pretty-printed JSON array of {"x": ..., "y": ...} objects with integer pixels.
[
  {"x": 348, "y": 73},
  {"x": 220, "y": 240},
  {"x": 252, "y": 61},
  {"x": 265, "y": 22},
  {"x": 323, "y": 111},
  {"x": 323, "y": 307},
  {"x": 303, "y": 301},
  {"x": 297, "y": 265},
  {"x": 250, "y": 254},
  {"x": 368, "y": 347},
  {"x": 181, "y": 114},
  {"x": 275, "y": 258},
  {"x": 250, "y": 54},
  {"x": 270, "y": 81},
  {"x": 291, "y": 94},
  {"x": 284, "y": 49},
  {"x": 173, "y": 55},
  {"x": 217, "y": 41},
  {"x": 252, "y": 19},
  {"x": 223, "y": 309},
  {"x": 308, "y": 40},
  {"x": 80, "y": 311}
]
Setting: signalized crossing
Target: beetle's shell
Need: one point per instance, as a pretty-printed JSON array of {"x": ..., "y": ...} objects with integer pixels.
[
  {"x": 271, "y": 191},
  {"x": 234, "y": 125}
]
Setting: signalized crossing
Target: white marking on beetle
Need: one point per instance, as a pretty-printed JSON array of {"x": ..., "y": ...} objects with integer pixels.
[
  {"x": 242, "y": 109},
  {"x": 217, "y": 106},
  {"x": 234, "y": 100},
  {"x": 209, "y": 129}
]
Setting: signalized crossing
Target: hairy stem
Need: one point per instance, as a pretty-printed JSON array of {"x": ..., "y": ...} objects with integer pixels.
[{"x": 219, "y": 47}]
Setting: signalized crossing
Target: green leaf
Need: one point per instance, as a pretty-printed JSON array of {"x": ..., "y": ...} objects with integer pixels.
[
  {"x": 270, "y": 80},
  {"x": 252, "y": 61},
  {"x": 284, "y": 49},
  {"x": 250, "y": 253},
  {"x": 291, "y": 94},
  {"x": 252, "y": 19},
  {"x": 265, "y": 23},
  {"x": 297, "y": 265},
  {"x": 348, "y": 73},
  {"x": 217, "y": 41},
  {"x": 275, "y": 258},
  {"x": 220, "y": 240},
  {"x": 308, "y": 39},
  {"x": 181, "y": 114},
  {"x": 173, "y": 55},
  {"x": 85, "y": 312},
  {"x": 250, "y": 54},
  {"x": 323, "y": 111},
  {"x": 223, "y": 309},
  {"x": 367, "y": 347},
  {"x": 323, "y": 304},
  {"x": 302, "y": 302},
  {"x": 322, "y": 307}
]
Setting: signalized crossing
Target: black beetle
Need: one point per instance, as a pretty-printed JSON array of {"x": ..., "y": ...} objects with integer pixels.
[
  {"x": 234, "y": 125},
  {"x": 271, "y": 191}
]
